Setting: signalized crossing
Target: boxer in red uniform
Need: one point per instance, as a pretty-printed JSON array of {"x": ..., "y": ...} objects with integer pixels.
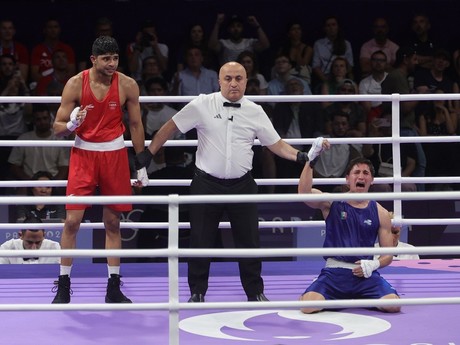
[{"x": 91, "y": 107}]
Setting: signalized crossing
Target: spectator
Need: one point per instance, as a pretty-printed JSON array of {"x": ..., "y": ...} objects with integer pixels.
[
  {"x": 299, "y": 52},
  {"x": 26, "y": 161},
  {"x": 422, "y": 41},
  {"x": 381, "y": 156},
  {"x": 379, "y": 42},
  {"x": 249, "y": 61},
  {"x": 195, "y": 79},
  {"x": 357, "y": 118},
  {"x": 146, "y": 44},
  {"x": 150, "y": 69},
  {"x": 372, "y": 85},
  {"x": 176, "y": 167},
  {"x": 41, "y": 211},
  {"x": 437, "y": 79},
  {"x": 155, "y": 115},
  {"x": 326, "y": 49},
  {"x": 9, "y": 46},
  {"x": 397, "y": 81},
  {"x": 196, "y": 38},
  {"x": 294, "y": 120},
  {"x": 61, "y": 73},
  {"x": 340, "y": 70},
  {"x": 440, "y": 157},
  {"x": 263, "y": 162},
  {"x": 102, "y": 27},
  {"x": 282, "y": 70},
  {"x": 396, "y": 232},
  {"x": 229, "y": 48},
  {"x": 13, "y": 116},
  {"x": 41, "y": 59},
  {"x": 332, "y": 163},
  {"x": 30, "y": 239}
]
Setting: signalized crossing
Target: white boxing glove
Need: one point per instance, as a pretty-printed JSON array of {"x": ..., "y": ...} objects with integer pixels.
[
  {"x": 74, "y": 120},
  {"x": 316, "y": 149},
  {"x": 142, "y": 177},
  {"x": 369, "y": 266}
]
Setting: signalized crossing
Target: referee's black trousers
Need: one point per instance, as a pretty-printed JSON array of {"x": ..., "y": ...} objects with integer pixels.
[{"x": 204, "y": 220}]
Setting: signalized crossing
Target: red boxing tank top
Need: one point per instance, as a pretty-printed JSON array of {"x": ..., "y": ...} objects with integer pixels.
[{"x": 104, "y": 119}]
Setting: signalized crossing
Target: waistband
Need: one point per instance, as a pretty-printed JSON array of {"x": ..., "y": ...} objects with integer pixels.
[
  {"x": 113, "y": 145},
  {"x": 333, "y": 263},
  {"x": 224, "y": 182}
]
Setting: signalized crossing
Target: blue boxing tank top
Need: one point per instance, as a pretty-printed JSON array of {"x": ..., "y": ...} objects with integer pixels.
[{"x": 348, "y": 226}]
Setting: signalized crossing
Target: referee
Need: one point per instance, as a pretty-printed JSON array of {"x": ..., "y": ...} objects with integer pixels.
[{"x": 227, "y": 124}]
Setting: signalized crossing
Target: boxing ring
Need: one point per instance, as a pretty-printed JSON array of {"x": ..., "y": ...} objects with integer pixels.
[{"x": 160, "y": 314}]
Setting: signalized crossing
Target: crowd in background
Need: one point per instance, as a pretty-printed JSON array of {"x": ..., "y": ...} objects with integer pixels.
[{"x": 290, "y": 65}]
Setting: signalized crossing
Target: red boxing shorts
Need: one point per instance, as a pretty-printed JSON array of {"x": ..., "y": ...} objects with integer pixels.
[{"x": 107, "y": 169}]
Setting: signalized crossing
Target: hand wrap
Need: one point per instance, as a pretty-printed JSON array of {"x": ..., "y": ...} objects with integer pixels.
[
  {"x": 73, "y": 123},
  {"x": 316, "y": 149},
  {"x": 142, "y": 177},
  {"x": 369, "y": 266}
]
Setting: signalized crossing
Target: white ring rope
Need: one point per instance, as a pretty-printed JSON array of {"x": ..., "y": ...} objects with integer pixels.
[
  {"x": 361, "y": 303},
  {"x": 173, "y": 252}
]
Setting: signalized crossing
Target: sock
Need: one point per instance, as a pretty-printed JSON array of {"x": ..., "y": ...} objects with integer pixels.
[
  {"x": 113, "y": 270},
  {"x": 65, "y": 270}
]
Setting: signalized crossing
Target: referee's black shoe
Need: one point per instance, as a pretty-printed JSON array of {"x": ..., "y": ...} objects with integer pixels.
[
  {"x": 62, "y": 289},
  {"x": 114, "y": 294},
  {"x": 258, "y": 298},
  {"x": 196, "y": 298}
]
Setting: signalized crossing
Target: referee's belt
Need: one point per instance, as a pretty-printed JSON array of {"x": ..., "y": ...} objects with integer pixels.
[{"x": 222, "y": 181}]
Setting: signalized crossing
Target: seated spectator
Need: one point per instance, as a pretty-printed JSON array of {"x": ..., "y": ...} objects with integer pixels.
[
  {"x": 249, "y": 61},
  {"x": 396, "y": 232},
  {"x": 175, "y": 168},
  {"x": 196, "y": 37},
  {"x": 30, "y": 239},
  {"x": 379, "y": 42},
  {"x": 146, "y": 44},
  {"x": 61, "y": 73},
  {"x": 300, "y": 53},
  {"x": 156, "y": 114},
  {"x": 372, "y": 85},
  {"x": 27, "y": 160},
  {"x": 381, "y": 156},
  {"x": 263, "y": 162},
  {"x": 422, "y": 41},
  {"x": 437, "y": 78},
  {"x": 9, "y": 46},
  {"x": 40, "y": 62},
  {"x": 102, "y": 27},
  {"x": 340, "y": 70},
  {"x": 326, "y": 49},
  {"x": 195, "y": 79},
  {"x": 13, "y": 116},
  {"x": 41, "y": 211},
  {"x": 282, "y": 69},
  {"x": 333, "y": 163},
  {"x": 228, "y": 49},
  {"x": 354, "y": 109},
  {"x": 150, "y": 69},
  {"x": 294, "y": 120},
  {"x": 438, "y": 120}
]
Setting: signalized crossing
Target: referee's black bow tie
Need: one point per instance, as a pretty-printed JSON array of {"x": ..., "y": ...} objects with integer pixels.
[{"x": 234, "y": 105}]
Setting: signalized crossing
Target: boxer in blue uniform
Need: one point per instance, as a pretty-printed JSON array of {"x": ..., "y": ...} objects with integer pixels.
[{"x": 351, "y": 223}]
